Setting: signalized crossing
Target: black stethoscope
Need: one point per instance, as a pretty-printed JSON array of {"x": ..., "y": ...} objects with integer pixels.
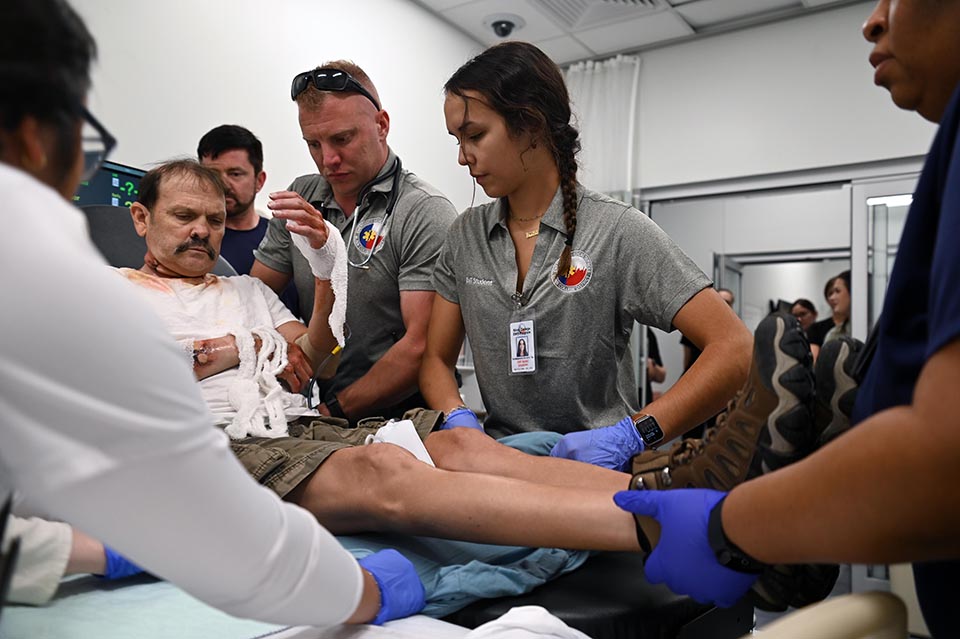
[{"x": 395, "y": 173}]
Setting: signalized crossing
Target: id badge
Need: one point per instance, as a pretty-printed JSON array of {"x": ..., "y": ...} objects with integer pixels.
[{"x": 523, "y": 347}]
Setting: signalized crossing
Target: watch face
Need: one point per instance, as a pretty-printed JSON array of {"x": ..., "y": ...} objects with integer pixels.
[{"x": 649, "y": 430}]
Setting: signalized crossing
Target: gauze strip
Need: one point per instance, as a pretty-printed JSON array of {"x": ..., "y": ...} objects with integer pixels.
[
  {"x": 256, "y": 394},
  {"x": 329, "y": 262},
  {"x": 244, "y": 393}
]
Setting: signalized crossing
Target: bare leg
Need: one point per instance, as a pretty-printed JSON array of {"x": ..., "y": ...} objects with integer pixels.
[
  {"x": 383, "y": 487},
  {"x": 469, "y": 450}
]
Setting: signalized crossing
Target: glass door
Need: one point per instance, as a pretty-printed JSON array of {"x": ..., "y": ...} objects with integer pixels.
[
  {"x": 879, "y": 209},
  {"x": 886, "y": 217}
]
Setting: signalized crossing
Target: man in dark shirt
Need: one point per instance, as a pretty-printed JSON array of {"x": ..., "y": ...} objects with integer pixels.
[{"x": 237, "y": 155}]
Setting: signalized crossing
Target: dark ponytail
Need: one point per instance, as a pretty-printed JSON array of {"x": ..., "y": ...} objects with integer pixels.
[{"x": 526, "y": 88}]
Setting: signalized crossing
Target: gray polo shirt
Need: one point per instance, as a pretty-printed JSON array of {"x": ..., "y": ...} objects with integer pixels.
[
  {"x": 403, "y": 259},
  {"x": 625, "y": 268}
]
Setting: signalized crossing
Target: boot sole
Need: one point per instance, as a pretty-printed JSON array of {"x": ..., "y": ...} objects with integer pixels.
[
  {"x": 782, "y": 355},
  {"x": 836, "y": 391}
]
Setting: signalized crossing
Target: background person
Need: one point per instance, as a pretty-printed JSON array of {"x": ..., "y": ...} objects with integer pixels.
[
  {"x": 817, "y": 332},
  {"x": 237, "y": 155},
  {"x": 89, "y": 431},
  {"x": 577, "y": 265},
  {"x": 805, "y": 312},
  {"x": 393, "y": 224},
  {"x": 838, "y": 298},
  {"x": 843, "y": 503}
]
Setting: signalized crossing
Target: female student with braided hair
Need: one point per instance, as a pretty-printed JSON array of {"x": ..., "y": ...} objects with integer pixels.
[{"x": 568, "y": 270}]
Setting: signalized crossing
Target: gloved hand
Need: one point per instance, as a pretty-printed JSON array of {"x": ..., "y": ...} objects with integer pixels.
[
  {"x": 462, "y": 417},
  {"x": 609, "y": 447},
  {"x": 401, "y": 591},
  {"x": 118, "y": 566},
  {"x": 683, "y": 558}
]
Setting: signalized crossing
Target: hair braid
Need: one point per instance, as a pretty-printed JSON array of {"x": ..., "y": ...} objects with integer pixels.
[{"x": 566, "y": 144}]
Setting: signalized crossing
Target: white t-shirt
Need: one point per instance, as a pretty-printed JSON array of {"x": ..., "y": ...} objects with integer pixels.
[
  {"x": 213, "y": 308},
  {"x": 103, "y": 426}
]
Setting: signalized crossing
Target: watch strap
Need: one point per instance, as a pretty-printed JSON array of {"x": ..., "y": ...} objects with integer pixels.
[
  {"x": 333, "y": 406},
  {"x": 728, "y": 554}
]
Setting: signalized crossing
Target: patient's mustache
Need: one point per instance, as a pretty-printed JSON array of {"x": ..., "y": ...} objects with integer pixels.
[{"x": 195, "y": 242}]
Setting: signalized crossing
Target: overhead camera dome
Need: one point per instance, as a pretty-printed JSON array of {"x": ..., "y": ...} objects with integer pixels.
[{"x": 504, "y": 24}]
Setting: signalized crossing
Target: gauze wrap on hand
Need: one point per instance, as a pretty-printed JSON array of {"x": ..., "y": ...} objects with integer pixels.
[{"x": 329, "y": 262}]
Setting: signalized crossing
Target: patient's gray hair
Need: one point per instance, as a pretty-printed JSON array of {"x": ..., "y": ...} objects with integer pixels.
[{"x": 186, "y": 168}]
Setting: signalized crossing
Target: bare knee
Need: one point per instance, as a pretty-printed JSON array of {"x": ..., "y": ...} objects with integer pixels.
[
  {"x": 367, "y": 487},
  {"x": 459, "y": 448}
]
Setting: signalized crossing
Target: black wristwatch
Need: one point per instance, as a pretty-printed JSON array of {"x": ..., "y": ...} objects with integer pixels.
[
  {"x": 333, "y": 405},
  {"x": 727, "y": 552},
  {"x": 649, "y": 429}
]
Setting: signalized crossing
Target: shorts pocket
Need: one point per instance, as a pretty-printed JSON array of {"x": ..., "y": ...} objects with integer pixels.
[{"x": 258, "y": 461}]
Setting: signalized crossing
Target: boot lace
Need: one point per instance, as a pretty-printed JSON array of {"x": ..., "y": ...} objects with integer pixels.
[{"x": 690, "y": 449}]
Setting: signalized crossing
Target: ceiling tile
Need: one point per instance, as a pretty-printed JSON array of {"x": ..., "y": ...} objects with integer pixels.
[
  {"x": 565, "y": 49},
  {"x": 703, "y": 13},
  {"x": 632, "y": 34},
  {"x": 470, "y": 18},
  {"x": 441, "y": 5}
]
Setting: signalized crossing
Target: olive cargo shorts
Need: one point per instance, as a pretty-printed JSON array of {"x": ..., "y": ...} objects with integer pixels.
[{"x": 281, "y": 463}]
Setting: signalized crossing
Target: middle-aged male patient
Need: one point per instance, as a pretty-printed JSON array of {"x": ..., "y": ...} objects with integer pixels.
[
  {"x": 393, "y": 223},
  {"x": 479, "y": 490},
  {"x": 886, "y": 490}
]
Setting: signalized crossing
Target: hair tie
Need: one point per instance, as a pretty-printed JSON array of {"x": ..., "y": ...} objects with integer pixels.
[{"x": 569, "y": 240}]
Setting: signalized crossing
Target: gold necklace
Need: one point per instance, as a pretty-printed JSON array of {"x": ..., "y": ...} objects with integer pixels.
[
  {"x": 526, "y": 219},
  {"x": 532, "y": 233}
]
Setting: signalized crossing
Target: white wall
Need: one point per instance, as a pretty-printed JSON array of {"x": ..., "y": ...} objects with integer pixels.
[
  {"x": 788, "y": 96},
  {"x": 170, "y": 71}
]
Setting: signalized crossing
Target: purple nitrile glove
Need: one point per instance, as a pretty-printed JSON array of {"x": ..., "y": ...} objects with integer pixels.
[
  {"x": 683, "y": 558},
  {"x": 609, "y": 447},
  {"x": 462, "y": 417},
  {"x": 401, "y": 591},
  {"x": 118, "y": 566}
]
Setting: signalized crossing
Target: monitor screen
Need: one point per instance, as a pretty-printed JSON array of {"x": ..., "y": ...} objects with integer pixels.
[{"x": 113, "y": 185}]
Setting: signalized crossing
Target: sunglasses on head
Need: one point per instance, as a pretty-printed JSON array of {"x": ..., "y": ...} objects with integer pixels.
[{"x": 329, "y": 80}]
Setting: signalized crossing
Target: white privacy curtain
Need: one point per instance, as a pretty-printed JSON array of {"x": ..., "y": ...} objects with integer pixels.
[{"x": 604, "y": 96}]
